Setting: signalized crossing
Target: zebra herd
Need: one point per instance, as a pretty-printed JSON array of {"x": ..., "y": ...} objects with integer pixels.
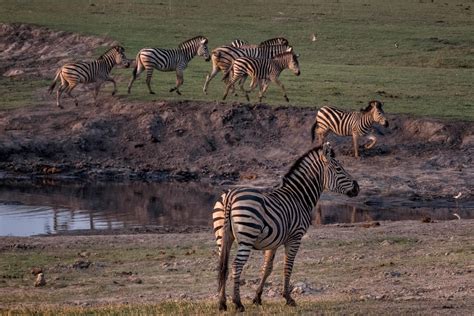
[{"x": 254, "y": 218}]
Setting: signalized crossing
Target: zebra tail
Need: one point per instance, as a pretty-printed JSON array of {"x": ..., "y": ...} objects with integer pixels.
[
  {"x": 53, "y": 84},
  {"x": 226, "y": 245},
  {"x": 313, "y": 131}
]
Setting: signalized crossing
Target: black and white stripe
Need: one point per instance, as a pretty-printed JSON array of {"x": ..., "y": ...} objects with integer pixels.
[
  {"x": 261, "y": 71},
  {"x": 274, "y": 41},
  {"x": 343, "y": 123},
  {"x": 222, "y": 57},
  {"x": 238, "y": 43},
  {"x": 96, "y": 71},
  {"x": 267, "y": 219},
  {"x": 176, "y": 59}
]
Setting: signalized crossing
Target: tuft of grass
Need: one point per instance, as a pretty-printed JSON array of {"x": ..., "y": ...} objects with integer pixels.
[{"x": 429, "y": 72}]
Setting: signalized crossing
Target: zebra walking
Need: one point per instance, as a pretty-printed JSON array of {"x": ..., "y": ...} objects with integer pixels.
[
  {"x": 355, "y": 124},
  {"x": 266, "y": 220},
  {"x": 96, "y": 71},
  {"x": 262, "y": 72},
  {"x": 223, "y": 56},
  {"x": 169, "y": 60},
  {"x": 269, "y": 42}
]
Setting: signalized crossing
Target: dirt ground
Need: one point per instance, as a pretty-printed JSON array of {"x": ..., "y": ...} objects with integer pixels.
[{"x": 411, "y": 266}]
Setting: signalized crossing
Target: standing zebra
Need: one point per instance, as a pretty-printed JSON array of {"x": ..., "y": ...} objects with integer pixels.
[
  {"x": 169, "y": 60},
  {"x": 87, "y": 72},
  {"x": 266, "y": 220},
  {"x": 275, "y": 41},
  {"x": 355, "y": 124},
  {"x": 262, "y": 72},
  {"x": 223, "y": 56},
  {"x": 238, "y": 43}
]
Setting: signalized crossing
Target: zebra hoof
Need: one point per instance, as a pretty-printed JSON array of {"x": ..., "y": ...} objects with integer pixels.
[
  {"x": 291, "y": 302},
  {"x": 257, "y": 300},
  {"x": 222, "y": 306},
  {"x": 113, "y": 92},
  {"x": 179, "y": 93},
  {"x": 240, "y": 308},
  {"x": 151, "y": 92}
]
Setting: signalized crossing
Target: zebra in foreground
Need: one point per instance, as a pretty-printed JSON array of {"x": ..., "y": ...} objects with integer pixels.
[
  {"x": 169, "y": 60},
  {"x": 262, "y": 72},
  {"x": 223, "y": 56},
  {"x": 266, "y": 220},
  {"x": 355, "y": 124},
  {"x": 96, "y": 71}
]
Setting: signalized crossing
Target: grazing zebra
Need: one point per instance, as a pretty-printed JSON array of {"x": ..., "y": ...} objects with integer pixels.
[
  {"x": 267, "y": 219},
  {"x": 223, "y": 56},
  {"x": 169, "y": 60},
  {"x": 238, "y": 43},
  {"x": 275, "y": 41},
  {"x": 355, "y": 124},
  {"x": 87, "y": 72},
  {"x": 262, "y": 72}
]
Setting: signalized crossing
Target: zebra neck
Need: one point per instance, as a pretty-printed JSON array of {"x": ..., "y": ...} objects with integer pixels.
[
  {"x": 188, "y": 53},
  {"x": 280, "y": 64},
  {"x": 304, "y": 183},
  {"x": 108, "y": 61},
  {"x": 365, "y": 122}
]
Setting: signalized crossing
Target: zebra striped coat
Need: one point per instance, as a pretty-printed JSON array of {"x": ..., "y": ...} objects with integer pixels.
[
  {"x": 87, "y": 72},
  {"x": 222, "y": 57},
  {"x": 169, "y": 60},
  {"x": 262, "y": 72},
  {"x": 268, "y": 42},
  {"x": 343, "y": 123},
  {"x": 266, "y": 220}
]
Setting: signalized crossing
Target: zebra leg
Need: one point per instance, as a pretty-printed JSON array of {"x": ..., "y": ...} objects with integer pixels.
[
  {"x": 355, "y": 143},
  {"x": 58, "y": 95},
  {"x": 278, "y": 82},
  {"x": 209, "y": 77},
  {"x": 243, "y": 253},
  {"x": 373, "y": 140},
  {"x": 115, "y": 85},
  {"x": 263, "y": 88},
  {"x": 266, "y": 271},
  {"x": 149, "y": 72},
  {"x": 69, "y": 93},
  {"x": 290, "y": 253},
  {"x": 179, "y": 81}
]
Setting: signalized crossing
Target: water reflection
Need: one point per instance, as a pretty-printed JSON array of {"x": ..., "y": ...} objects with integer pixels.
[{"x": 49, "y": 207}]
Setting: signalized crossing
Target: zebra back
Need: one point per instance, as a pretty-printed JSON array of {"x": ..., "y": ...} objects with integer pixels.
[
  {"x": 238, "y": 43},
  {"x": 274, "y": 41}
]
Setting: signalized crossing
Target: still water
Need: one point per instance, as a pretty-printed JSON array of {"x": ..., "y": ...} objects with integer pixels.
[{"x": 28, "y": 208}]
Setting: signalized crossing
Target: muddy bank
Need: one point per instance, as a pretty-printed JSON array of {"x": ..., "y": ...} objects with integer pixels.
[{"x": 415, "y": 160}]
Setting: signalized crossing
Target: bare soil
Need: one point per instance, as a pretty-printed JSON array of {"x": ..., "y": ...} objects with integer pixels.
[{"x": 414, "y": 266}]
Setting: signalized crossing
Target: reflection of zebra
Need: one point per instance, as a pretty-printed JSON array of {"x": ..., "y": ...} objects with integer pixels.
[
  {"x": 169, "y": 60},
  {"x": 266, "y": 220},
  {"x": 262, "y": 72},
  {"x": 353, "y": 124},
  {"x": 87, "y": 72},
  {"x": 223, "y": 56}
]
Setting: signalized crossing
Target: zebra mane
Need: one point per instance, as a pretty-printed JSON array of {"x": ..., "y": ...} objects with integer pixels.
[
  {"x": 199, "y": 37},
  {"x": 118, "y": 48},
  {"x": 296, "y": 165},
  {"x": 283, "y": 54}
]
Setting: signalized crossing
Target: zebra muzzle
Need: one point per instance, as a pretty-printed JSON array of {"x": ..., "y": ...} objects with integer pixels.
[{"x": 355, "y": 189}]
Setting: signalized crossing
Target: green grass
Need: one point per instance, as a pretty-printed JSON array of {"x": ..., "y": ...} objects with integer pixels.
[{"x": 353, "y": 60}]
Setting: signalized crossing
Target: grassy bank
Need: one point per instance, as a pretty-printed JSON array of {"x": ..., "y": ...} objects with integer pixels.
[{"x": 354, "y": 58}]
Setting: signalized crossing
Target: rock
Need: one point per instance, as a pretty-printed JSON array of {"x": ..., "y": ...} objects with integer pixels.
[
  {"x": 40, "y": 280},
  {"x": 81, "y": 264},
  {"x": 386, "y": 243}
]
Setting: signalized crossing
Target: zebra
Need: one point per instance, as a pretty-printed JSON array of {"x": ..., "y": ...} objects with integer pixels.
[
  {"x": 223, "y": 56},
  {"x": 262, "y": 72},
  {"x": 274, "y": 41},
  {"x": 355, "y": 124},
  {"x": 268, "y": 42},
  {"x": 239, "y": 43},
  {"x": 267, "y": 219},
  {"x": 88, "y": 72},
  {"x": 169, "y": 60}
]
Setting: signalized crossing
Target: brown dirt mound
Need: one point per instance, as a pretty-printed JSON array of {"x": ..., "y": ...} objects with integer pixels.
[{"x": 28, "y": 50}]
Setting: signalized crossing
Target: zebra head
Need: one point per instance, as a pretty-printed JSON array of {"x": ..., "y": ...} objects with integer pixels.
[
  {"x": 203, "y": 50},
  {"x": 336, "y": 179},
  {"x": 378, "y": 115},
  {"x": 294, "y": 65},
  {"x": 117, "y": 55}
]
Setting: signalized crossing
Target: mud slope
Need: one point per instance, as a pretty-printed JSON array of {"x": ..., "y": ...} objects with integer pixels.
[{"x": 415, "y": 158}]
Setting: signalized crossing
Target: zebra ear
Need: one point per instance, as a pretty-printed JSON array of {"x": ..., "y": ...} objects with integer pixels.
[
  {"x": 289, "y": 49},
  {"x": 204, "y": 41}
]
